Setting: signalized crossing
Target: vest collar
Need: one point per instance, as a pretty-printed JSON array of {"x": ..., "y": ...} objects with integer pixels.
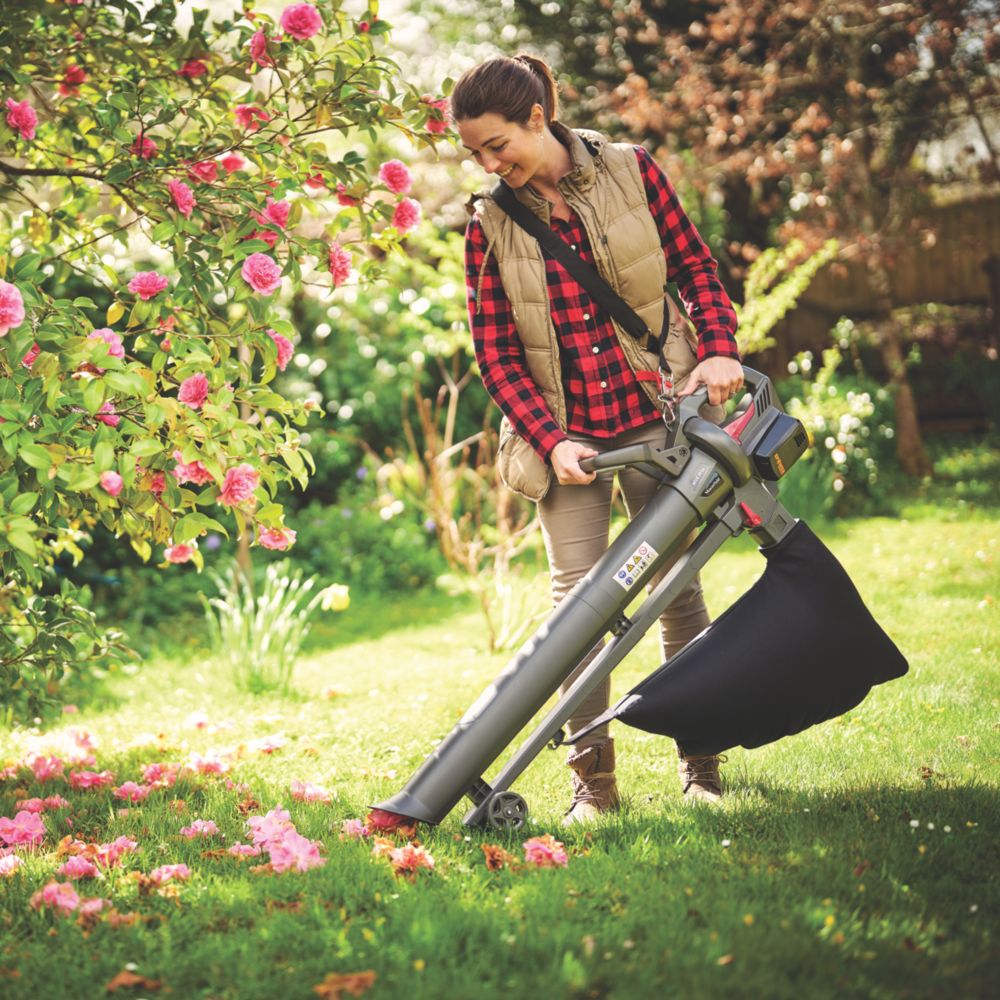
[{"x": 586, "y": 149}]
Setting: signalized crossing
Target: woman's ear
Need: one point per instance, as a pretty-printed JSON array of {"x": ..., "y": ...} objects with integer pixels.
[{"x": 536, "y": 120}]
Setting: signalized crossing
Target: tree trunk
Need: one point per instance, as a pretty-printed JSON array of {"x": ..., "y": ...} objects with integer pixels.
[{"x": 910, "y": 450}]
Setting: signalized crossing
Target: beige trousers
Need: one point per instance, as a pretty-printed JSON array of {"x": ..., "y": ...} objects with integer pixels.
[{"x": 575, "y": 522}]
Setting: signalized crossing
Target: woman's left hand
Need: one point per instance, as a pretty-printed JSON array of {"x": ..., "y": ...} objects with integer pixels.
[{"x": 723, "y": 377}]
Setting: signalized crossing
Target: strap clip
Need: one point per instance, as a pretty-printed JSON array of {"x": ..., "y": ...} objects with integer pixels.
[{"x": 668, "y": 398}]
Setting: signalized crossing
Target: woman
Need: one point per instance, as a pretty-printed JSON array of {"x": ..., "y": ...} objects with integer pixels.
[{"x": 568, "y": 381}]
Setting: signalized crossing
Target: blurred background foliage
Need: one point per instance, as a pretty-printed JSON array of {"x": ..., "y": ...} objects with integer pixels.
[{"x": 784, "y": 123}]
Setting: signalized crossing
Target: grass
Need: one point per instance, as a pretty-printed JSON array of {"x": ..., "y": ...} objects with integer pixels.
[{"x": 857, "y": 859}]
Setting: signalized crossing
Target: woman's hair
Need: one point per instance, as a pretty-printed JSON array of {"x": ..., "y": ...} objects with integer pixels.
[{"x": 506, "y": 86}]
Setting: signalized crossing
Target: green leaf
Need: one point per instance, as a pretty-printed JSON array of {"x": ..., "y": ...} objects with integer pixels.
[
  {"x": 145, "y": 447},
  {"x": 130, "y": 383},
  {"x": 104, "y": 456},
  {"x": 35, "y": 456},
  {"x": 23, "y": 541},
  {"x": 23, "y": 503},
  {"x": 93, "y": 395},
  {"x": 118, "y": 173},
  {"x": 115, "y": 312},
  {"x": 162, "y": 231},
  {"x": 27, "y": 265}
]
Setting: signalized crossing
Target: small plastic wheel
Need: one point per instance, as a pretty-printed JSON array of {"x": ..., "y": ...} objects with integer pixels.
[{"x": 507, "y": 811}]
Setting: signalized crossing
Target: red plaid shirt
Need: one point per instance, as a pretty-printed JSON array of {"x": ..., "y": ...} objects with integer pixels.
[{"x": 603, "y": 396}]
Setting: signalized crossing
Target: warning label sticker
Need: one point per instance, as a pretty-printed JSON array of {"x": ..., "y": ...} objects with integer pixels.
[{"x": 634, "y": 566}]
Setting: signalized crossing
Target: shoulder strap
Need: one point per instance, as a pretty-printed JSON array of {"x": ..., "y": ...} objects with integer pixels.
[{"x": 604, "y": 295}]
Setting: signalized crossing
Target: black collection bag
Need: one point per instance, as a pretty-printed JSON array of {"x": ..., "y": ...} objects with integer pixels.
[{"x": 799, "y": 647}]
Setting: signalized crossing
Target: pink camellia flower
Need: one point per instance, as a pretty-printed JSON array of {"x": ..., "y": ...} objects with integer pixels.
[
  {"x": 275, "y": 213},
  {"x": 88, "y": 907},
  {"x": 293, "y": 852},
  {"x": 269, "y": 236},
  {"x": 244, "y": 851},
  {"x": 194, "y": 390},
  {"x": 111, "y": 483},
  {"x": 364, "y": 27},
  {"x": 160, "y": 774},
  {"x": 344, "y": 198},
  {"x": 437, "y": 125},
  {"x": 250, "y": 116},
  {"x": 22, "y": 118},
  {"x": 267, "y": 744},
  {"x": 387, "y": 822},
  {"x": 395, "y": 175},
  {"x": 144, "y": 148},
  {"x": 340, "y": 264},
  {"x": 131, "y": 792},
  {"x": 116, "y": 348},
  {"x": 107, "y": 414},
  {"x": 269, "y": 828},
  {"x": 258, "y": 49},
  {"x": 168, "y": 873},
  {"x": 406, "y": 215},
  {"x": 232, "y": 162},
  {"x": 183, "y": 197},
  {"x": 545, "y": 852},
  {"x": 285, "y": 349},
  {"x": 9, "y": 864},
  {"x": 200, "y": 828},
  {"x": 261, "y": 273},
  {"x": 353, "y": 829},
  {"x": 239, "y": 484},
  {"x": 147, "y": 285},
  {"x": 191, "y": 472},
  {"x": 110, "y": 854},
  {"x": 90, "y": 779},
  {"x": 210, "y": 763},
  {"x": 56, "y": 896},
  {"x": 78, "y": 867},
  {"x": 29, "y": 358},
  {"x": 278, "y": 539},
  {"x": 72, "y": 78},
  {"x": 205, "y": 172},
  {"x": 157, "y": 483},
  {"x": 306, "y": 791},
  {"x": 180, "y": 553},
  {"x": 55, "y": 802},
  {"x": 47, "y": 768},
  {"x": 315, "y": 181},
  {"x": 193, "y": 68},
  {"x": 301, "y": 21},
  {"x": 406, "y": 860},
  {"x": 26, "y": 828},
  {"x": 11, "y": 307},
  {"x": 32, "y": 805}
]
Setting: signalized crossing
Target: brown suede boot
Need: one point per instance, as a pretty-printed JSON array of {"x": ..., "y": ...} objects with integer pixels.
[
  {"x": 700, "y": 778},
  {"x": 594, "y": 787}
]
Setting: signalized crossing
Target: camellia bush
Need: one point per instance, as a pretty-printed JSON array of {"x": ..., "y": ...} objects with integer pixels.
[{"x": 225, "y": 162}]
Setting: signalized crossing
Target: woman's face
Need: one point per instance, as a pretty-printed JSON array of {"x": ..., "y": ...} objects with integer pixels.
[{"x": 511, "y": 151}]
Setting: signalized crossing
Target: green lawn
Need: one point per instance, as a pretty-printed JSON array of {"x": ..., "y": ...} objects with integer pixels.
[{"x": 857, "y": 859}]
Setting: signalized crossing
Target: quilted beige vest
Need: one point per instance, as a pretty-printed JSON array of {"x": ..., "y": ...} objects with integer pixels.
[{"x": 605, "y": 189}]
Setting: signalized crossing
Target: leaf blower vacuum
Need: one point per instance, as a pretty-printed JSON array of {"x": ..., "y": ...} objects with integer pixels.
[{"x": 797, "y": 648}]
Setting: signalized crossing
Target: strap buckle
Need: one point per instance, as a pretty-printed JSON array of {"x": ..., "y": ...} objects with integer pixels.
[{"x": 668, "y": 398}]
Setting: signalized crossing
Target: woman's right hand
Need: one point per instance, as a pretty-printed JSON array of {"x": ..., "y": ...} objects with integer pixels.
[{"x": 565, "y": 459}]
